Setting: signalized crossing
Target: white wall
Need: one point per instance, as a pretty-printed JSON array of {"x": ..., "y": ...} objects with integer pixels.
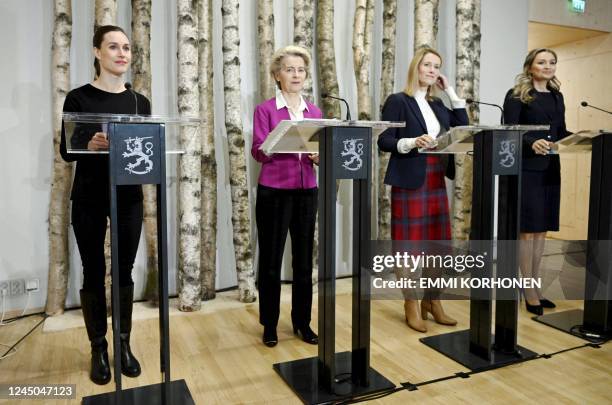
[
  {"x": 597, "y": 14},
  {"x": 25, "y": 110},
  {"x": 503, "y": 50}
]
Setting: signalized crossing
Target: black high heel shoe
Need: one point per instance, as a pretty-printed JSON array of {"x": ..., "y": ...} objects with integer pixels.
[
  {"x": 306, "y": 334},
  {"x": 269, "y": 337},
  {"x": 534, "y": 309},
  {"x": 547, "y": 303}
]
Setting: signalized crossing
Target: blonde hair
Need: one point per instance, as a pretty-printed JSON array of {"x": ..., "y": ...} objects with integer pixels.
[
  {"x": 291, "y": 50},
  {"x": 412, "y": 82},
  {"x": 524, "y": 81}
]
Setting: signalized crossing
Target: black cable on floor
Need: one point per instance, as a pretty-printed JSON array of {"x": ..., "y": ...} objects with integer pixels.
[
  {"x": 413, "y": 387},
  {"x": 17, "y": 318},
  {"x": 25, "y": 336}
]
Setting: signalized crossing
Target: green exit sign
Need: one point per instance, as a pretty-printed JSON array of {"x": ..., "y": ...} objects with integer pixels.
[{"x": 577, "y": 6}]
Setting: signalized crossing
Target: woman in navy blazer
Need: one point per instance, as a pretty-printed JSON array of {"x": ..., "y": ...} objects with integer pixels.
[
  {"x": 535, "y": 99},
  {"x": 419, "y": 204}
]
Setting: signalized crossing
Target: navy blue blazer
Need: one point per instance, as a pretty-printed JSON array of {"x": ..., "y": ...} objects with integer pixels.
[
  {"x": 534, "y": 113},
  {"x": 407, "y": 170}
]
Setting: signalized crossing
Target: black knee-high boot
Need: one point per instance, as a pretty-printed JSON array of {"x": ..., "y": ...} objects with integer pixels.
[
  {"x": 94, "y": 314},
  {"x": 130, "y": 366}
]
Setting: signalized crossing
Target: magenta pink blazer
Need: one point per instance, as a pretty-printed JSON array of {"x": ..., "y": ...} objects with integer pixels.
[{"x": 281, "y": 170}]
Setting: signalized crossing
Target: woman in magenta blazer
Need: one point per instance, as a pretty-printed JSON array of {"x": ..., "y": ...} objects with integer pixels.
[{"x": 286, "y": 199}]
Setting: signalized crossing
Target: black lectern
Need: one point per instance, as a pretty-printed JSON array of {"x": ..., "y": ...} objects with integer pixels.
[
  {"x": 137, "y": 155},
  {"x": 595, "y": 322},
  {"x": 494, "y": 228},
  {"x": 344, "y": 149}
]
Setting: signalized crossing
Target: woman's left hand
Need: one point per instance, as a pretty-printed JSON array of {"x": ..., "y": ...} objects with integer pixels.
[
  {"x": 314, "y": 157},
  {"x": 541, "y": 146},
  {"x": 442, "y": 82}
]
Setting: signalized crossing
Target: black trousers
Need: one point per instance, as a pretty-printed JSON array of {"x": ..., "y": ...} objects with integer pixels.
[
  {"x": 89, "y": 221},
  {"x": 279, "y": 211}
]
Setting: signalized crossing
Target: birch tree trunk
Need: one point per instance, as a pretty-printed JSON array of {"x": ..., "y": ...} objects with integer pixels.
[
  {"x": 59, "y": 263},
  {"x": 208, "y": 264},
  {"x": 190, "y": 163},
  {"x": 265, "y": 28},
  {"x": 425, "y": 23},
  {"x": 362, "y": 48},
  {"x": 106, "y": 13},
  {"x": 303, "y": 25},
  {"x": 236, "y": 147},
  {"x": 387, "y": 80},
  {"x": 303, "y": 35},
  {"x": 327, "y": 58},
  {"x": 467, "y": 80},
  {"x": 141, "y": 76}
]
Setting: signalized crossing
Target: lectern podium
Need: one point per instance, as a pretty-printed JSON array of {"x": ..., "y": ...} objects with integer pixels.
[
  {"x": 138, "y": 147},
  {"x": 344, "y": 149},
  {"x": 495, "y": 227},
  {"x": 596, "y": 319}
]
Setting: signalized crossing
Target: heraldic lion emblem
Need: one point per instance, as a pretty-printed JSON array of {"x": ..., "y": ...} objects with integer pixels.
[
  {"x": 142, "y": 164},
  {"x": 507, "y": 151},
  {"x": 354, "y": 150}
]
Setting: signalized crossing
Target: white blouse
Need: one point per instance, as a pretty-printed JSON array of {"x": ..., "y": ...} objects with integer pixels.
[{"x": 405, "y": 145}]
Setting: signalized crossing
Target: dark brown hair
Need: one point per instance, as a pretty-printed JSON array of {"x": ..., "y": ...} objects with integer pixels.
[{"x": 99, "y": 37}]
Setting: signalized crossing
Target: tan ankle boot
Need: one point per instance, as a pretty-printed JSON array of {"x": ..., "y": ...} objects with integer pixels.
[
  {"x": 435, "y": 308},
  {"x": 411, "y": 312}
]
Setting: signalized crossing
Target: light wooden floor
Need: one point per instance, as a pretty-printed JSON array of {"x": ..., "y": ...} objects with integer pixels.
[{"x": 220, "y": 356}]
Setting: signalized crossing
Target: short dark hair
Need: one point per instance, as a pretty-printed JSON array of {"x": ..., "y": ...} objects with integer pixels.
[{"x": 99, "y": 37}]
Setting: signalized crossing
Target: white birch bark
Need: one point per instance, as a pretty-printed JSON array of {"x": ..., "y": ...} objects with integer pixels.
[
  {"x": 467, "y": 82},
  {"x": 236, "y": 147},
  {"x": 303, "y": 35},
  {"x": 106, "y": 13},
  {"x": 208, "y": 263},
  {"x": 362, "y": 48},
  {"x": 190, "y": 188},
  {"x": 141, "y": 76},
  {"x": 387, "y": 80},
  {"x": 59, "y": 263},
  {"x": 425, "y": 23},
  {"x": 265, "y": 28},
  {"x": 327, "y": 58}
]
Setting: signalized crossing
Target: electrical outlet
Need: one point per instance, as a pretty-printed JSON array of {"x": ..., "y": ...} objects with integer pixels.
[
  {"x": 32, "y": 285},
  {"x": 17, "y": 287},
  {"x": 4, "y": 286}
]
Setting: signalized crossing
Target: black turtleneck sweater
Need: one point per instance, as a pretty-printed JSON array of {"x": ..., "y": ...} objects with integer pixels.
[{"x": 91, "y": 181}]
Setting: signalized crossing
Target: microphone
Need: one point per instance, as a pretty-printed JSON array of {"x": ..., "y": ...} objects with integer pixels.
[
  {"x": 472, "y": 101},
  {"x": 128, "y": 86},
  {"x": 585, "y": 104},
  {"x": 348, "y": 110}
]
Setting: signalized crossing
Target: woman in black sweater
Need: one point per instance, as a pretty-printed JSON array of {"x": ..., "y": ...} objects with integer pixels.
[
  {"x": 536, "y": 100},
  {"x": 90, "y": 198}
]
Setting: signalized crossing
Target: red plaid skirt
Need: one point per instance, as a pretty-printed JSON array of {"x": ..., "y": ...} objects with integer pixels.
[{"x": 422, "y": 213}]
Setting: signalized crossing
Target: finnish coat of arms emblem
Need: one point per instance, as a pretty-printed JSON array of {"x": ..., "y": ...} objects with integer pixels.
[
  {"x": 507, "y": 150},
  {"x": 140, "y": 150},
  {"x": 353, "y": 149}
]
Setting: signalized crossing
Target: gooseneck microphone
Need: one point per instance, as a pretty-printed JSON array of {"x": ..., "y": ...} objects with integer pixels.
[
  {"x": 128, "y": 86},
  {"x": 348, "y": 110},
  {"x": 472, "y": 101},
  {"x": 585, "y": 104}
]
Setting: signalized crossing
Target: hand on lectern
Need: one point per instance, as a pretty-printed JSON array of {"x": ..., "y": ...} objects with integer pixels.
[
  {"x": 425, "y": 142},
  {"x": 314, "y": 157},
  {"x": 541, "y": 146},
  {"x": 98, "y": 142}
]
